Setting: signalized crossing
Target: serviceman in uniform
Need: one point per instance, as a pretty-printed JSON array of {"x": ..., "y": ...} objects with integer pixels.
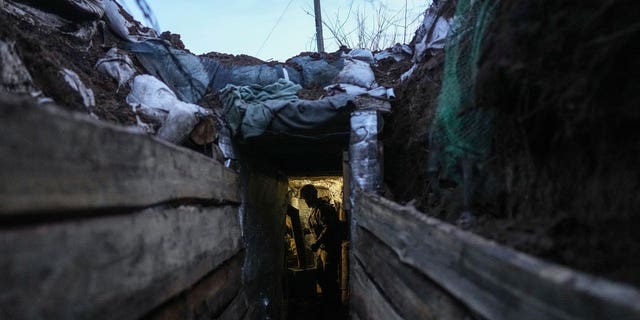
[{"x": 324, "y": 224}]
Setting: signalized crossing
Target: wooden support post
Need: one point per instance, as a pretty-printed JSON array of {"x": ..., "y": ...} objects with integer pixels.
[
  {"x": 298, "y": 237},
  {"x": 318, "y": 15},
  {"x": 344, "y": 273}
]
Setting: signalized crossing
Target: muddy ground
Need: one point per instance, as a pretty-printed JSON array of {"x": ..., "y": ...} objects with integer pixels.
[{"x": 564, "y": 166}]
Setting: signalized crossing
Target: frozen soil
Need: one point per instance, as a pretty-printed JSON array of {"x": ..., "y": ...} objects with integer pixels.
[{"x": 563, "y": 176}]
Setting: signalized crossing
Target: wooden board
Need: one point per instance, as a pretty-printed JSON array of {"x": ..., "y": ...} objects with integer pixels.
[
  {"x": 237, "y": 309},
  {"x": 54, "y": 161},
  {"x": 366, "y": 300},
  {"x": 414, "y": 295},
  {"x": 495, "y": 281},
  {"x": 206, "y": 299},
  {"x": 117, "y": 267}
]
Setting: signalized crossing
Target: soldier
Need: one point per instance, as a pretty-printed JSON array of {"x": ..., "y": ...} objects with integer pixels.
[{"x": 324, "y": 224}]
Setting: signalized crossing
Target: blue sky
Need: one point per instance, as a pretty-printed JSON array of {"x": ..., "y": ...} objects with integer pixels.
[{"x": 241, "y": 26}]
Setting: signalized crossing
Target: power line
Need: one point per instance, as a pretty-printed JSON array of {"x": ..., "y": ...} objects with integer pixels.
[{"x": 274, "y": 27}]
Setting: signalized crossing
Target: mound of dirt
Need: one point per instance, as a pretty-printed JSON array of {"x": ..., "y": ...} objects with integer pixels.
[{"x": 230, "y": 59}]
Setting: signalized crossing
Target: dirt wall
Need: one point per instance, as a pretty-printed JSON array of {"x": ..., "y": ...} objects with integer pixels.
[{"x": 562, "y": 177}]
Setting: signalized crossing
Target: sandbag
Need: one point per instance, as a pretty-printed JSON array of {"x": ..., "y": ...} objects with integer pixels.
[
  {"x": 362, "y": 55},
  {"x": 358, "y": 73},
  {"x": 117, "y": 65},
  {"x": 153, "y": 98},
  {"x": 318, "y": 72},
  {"x": 149, "y": 92},
  {"x": 261, "y": 74}
]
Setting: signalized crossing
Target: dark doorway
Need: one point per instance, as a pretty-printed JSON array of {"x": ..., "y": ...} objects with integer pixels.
[{"x": 304, "y": 297}]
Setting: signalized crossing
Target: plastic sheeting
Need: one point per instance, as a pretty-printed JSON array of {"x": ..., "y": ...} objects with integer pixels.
[
  {"x": 309, "y": 116},
  {"x": 398, "y": 53},
  {"x": 120, "y": 26},
  {"x": 183, "y": 72},
  {"x": 364, "y": 159},
  {"x": 117, "y": 65},
  {"x": 76, "y": 84},
  {"x": 116, "y": 21},
  {"x": 253, "y": 110},
  {"x": 242, "y": 102},
  {"x": 431, "y": 34}
]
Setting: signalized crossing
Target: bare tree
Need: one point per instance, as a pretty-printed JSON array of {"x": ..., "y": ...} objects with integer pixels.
[{"x": 371, "y": 26}]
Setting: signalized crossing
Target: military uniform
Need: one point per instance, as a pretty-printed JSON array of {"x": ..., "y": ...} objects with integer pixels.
[{"x": 324, "y": 223}]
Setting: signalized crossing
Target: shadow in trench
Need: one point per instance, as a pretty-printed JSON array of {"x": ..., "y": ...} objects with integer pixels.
[{"x": 305, "y": 299}]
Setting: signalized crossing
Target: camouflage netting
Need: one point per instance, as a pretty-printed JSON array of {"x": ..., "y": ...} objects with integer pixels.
[
  {"x": 538, "y": 100},
  {"x": 461, "y": 128}
]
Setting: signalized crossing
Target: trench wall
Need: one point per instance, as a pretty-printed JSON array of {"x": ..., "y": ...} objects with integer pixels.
[
  {"x": 101, "y": 222},
  {"x": 407, "y": 265}
]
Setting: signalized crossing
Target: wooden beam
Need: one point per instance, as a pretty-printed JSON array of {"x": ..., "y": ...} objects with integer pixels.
[
  {"x": 366, "y": 301},
  {"x": 56, "y": 161},
  {"x": 413, "y": 295},
  {"x": 207, "y": 298},
  {"x": 116, "y": 267},
  {"x": 495, "y": 281}
]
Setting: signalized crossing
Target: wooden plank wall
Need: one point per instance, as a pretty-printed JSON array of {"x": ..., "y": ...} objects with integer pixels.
[
  {"x": 410, "y": 266},
  {"x": 100, "y": 222}
]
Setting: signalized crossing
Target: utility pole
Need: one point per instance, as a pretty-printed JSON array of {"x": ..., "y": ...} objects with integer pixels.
[{"x": 319, "y": 38}]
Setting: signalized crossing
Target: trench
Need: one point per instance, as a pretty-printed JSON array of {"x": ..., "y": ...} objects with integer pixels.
[{"x": 280, "y": 267}]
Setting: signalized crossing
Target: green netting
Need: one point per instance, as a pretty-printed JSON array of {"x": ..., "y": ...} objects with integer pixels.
[{"x": 462, "y": 127}]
